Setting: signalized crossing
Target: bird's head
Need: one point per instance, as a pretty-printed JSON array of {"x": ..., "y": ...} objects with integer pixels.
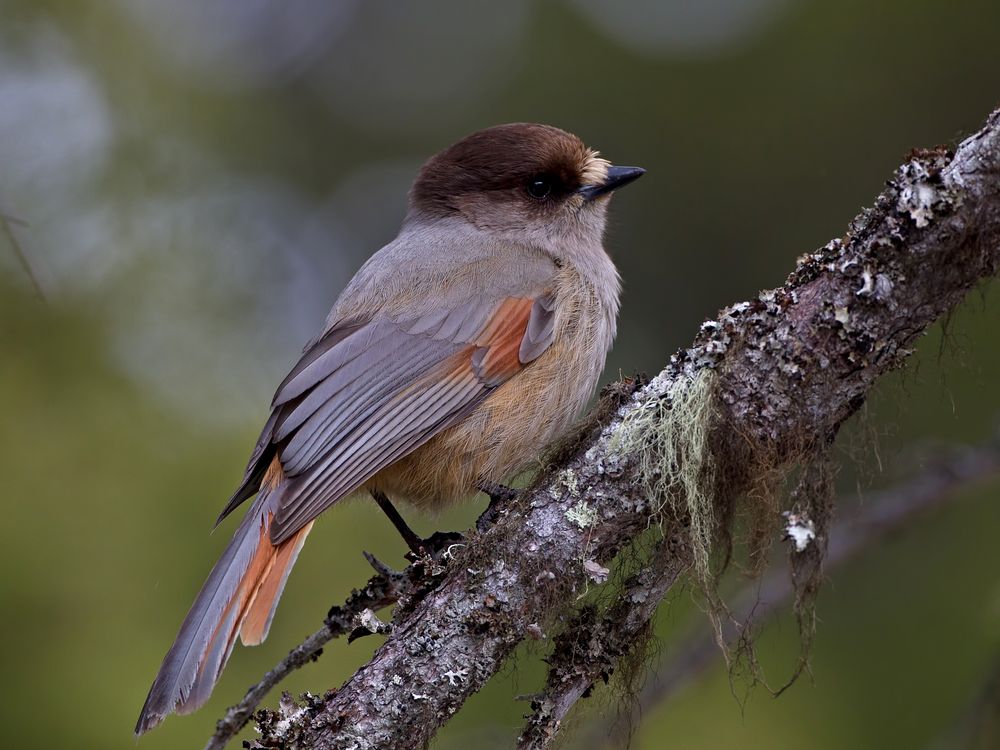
[{"x": 528, "y": 183}]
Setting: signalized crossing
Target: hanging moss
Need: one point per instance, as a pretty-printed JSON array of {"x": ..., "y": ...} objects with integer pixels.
[
  {"x": 702, "y": 476},
  {"x": 670, "y": 438}
]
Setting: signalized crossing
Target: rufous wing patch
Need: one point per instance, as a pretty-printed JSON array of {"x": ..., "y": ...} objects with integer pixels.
[{"x": 496, "y": 358}]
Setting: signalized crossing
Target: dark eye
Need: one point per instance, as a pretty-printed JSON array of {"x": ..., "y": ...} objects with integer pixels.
[{"x": 540, "y": 187}]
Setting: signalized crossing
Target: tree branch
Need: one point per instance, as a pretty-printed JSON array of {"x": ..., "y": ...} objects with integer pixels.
[
  {"x": 591, "y": 646},
  {"x": 786, "y": 370},
  {"x": 883, "y": 513}
]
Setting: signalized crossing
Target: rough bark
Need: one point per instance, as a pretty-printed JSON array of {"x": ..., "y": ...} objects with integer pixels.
[
  {"x": 593, "y": 644},
  {"x": 949, "y": 475},
  {"x": 790, "y": 367}
]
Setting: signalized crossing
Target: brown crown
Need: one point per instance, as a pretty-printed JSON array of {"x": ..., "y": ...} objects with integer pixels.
[{"x": 501, "y": 158}]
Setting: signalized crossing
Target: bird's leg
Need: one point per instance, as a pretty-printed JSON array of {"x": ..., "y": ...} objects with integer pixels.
[
  {"x": 498, "y": 495},
  {"x": 414, "y": 542},
  {"x": 434, "y": 543}
]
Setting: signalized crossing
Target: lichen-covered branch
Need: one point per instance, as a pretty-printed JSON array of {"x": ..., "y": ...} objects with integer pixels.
[
  {"x": 691, "y": 654},
  {"x": 786, "y": 369},
  {"x": 594, "y": 643}
]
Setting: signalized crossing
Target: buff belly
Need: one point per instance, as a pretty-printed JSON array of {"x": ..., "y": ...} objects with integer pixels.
[{"x": 505, "y": 435}]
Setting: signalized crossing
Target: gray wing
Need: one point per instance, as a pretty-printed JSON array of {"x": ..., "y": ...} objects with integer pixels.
[{"x": 366, "y": 394}]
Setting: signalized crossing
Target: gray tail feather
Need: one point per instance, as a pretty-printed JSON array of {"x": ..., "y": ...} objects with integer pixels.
[{"x": 196, "y": 659}]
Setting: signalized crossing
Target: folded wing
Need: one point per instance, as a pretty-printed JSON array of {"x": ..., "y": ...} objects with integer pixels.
[{"x": 368, "y": 393}]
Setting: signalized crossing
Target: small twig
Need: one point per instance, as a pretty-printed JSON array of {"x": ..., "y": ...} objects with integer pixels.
[
  {"x": 6, "y": 223},
  {"x": 881, "y": 514},
  {"x": 382, "y": 589},
  {"x": 378, "y": 566}
]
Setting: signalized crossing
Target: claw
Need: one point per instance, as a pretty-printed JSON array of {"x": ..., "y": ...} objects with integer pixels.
[{"x": 436, "y": 544}]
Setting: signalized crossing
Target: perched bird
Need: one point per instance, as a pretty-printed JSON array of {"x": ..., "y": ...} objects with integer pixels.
[{"x": 455, "y": 354}]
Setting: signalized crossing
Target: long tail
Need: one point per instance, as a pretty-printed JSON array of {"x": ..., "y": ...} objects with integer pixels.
[{"x": 239, "y": 598}]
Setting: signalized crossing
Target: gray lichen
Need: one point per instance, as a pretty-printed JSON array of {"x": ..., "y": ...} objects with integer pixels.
[
  {"x": 669, "y": 439},
  {"x": 582, "y": 514}
]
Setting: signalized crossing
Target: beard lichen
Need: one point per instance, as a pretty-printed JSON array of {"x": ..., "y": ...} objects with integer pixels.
[
  {"x": 698, "y": 474},
  {"x": 714, "y": 489},
  {"x": 670, "y": 438},
  {"x": 812, "y": 499}
]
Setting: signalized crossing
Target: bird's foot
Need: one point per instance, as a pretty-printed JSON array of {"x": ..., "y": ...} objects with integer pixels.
[
  {"x": 437, "y": 545},
  {"x": 499, "y": 496}
]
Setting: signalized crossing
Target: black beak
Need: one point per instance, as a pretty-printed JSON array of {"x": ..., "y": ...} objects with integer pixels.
[{"x": 617, "y": 177}]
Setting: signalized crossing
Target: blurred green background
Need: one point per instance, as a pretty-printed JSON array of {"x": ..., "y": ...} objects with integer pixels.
[{"x": 200, "y": 179}]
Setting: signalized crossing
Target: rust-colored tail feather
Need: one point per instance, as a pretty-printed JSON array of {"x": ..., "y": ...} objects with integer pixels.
[
  {"x": 239, "y": 597},
  {"x": 260, "y": 609}
]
